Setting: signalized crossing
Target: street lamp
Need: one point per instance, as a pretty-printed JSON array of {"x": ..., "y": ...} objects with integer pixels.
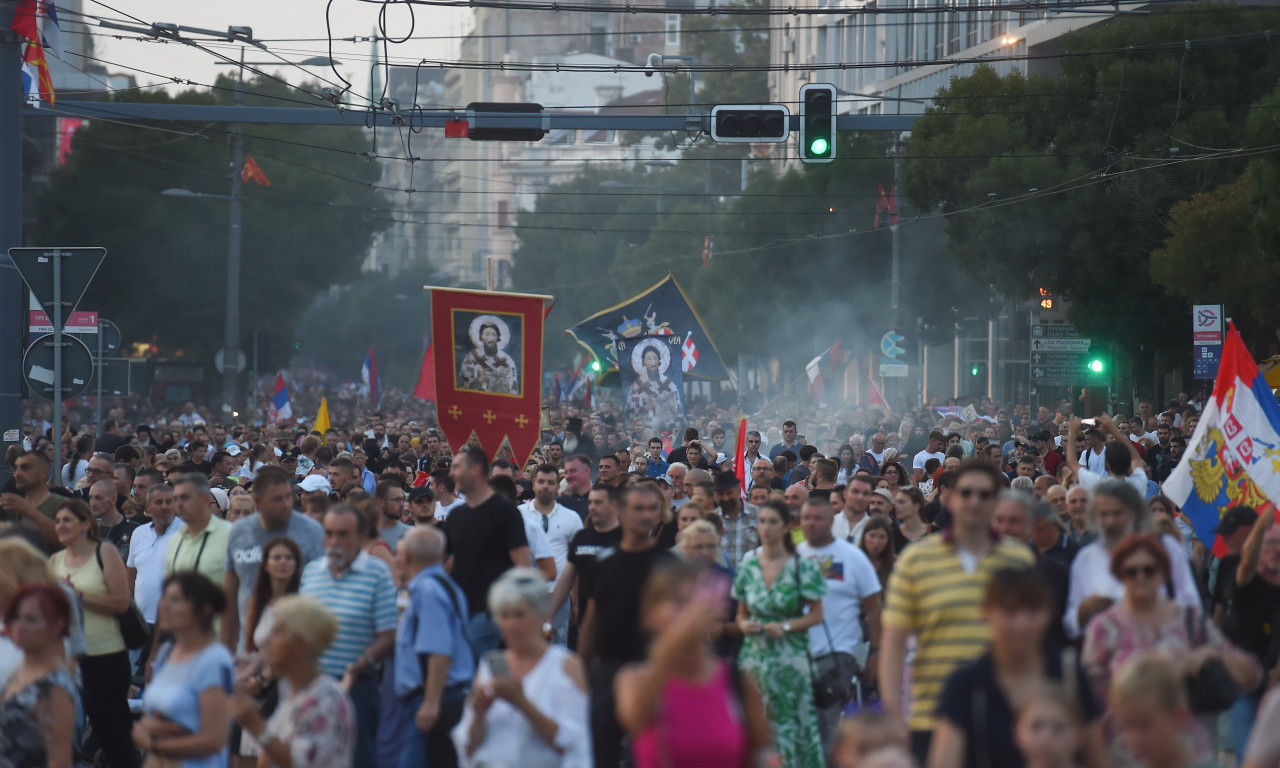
[{"x": 231, "y": 328}]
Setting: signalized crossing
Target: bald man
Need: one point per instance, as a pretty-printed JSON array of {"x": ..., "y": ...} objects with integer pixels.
[
  {"x": 1056, "y": 496},
  {"x": 116, "y": 529},
  {"x": 433, "y": 661},
  {"x": 1078, "y": 514}
]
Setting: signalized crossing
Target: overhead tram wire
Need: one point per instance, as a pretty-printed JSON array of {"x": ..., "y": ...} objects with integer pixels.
[{"x": 631, "y": 8}]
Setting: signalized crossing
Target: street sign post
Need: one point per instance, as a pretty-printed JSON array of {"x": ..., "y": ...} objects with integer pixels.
[
  {"x": 1058, "y": 354},
  {"x": 55, "y": 373},
  {"x": 58, "y": 277},
  {"x": 1206, "y": 340},
  {"x": 108, "y": 334}
]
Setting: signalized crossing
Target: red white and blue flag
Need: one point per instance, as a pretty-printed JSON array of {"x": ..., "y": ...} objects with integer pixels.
[
  {"x": 280, "y": 410},
  {"x": 36, "y": 23},
  {"x": 1234, "y": 456},
  {"x": 369, "y": 375},
  {"x": 814, "y": 368}
]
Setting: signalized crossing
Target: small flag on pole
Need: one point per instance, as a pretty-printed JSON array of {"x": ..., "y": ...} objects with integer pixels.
[
  {"x": 280, "y": 409},
  {"x": 322, "y": 417},
  {"x": 426, "y": 388},
  {"x": 369, "y": 375},
  {"x": 253, "y": 172}
]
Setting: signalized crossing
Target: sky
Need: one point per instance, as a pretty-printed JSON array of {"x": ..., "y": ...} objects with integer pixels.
[{"x": 272, "y": 20}]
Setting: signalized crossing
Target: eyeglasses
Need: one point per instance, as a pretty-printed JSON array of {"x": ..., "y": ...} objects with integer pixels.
[
  {"x": 968, "y": 493},
  {"x": 1145, "y": 571}
]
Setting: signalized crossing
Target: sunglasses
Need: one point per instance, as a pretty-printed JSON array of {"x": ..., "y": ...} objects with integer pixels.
[
  {"x": 1145, "y": 571},
  {"x": 968, "y": 493}
]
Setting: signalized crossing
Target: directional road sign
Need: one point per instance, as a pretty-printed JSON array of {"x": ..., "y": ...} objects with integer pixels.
[
  {"x": 1073, "y": 360},
  {"x": 892, "y": 369},
  {"x": 889, "y": 345},
  {"x": 78, "y": 266},
  {"x": 38, "y": 367},
  {"x": 1060, "y": 345},
  {"x": 1054, "y": 331}
]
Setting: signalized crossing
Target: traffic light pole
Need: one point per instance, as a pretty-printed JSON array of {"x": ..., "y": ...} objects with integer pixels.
[{"x": 12, "y": 296}]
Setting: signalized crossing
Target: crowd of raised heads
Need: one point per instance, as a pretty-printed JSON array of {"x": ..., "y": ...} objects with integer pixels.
[{"x": 940, "y": 588}]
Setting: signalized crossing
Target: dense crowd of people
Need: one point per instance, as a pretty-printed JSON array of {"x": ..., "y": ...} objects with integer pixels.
[{"x": 854, "y": 589}]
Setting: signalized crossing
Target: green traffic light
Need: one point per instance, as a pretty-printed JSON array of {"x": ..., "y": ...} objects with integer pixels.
[
  {"x": 973, "y": 371},
  {"x": 819, "y": 146},
  {"x": 1095, "y": 365},
  {"x": 595, "y": 365}
]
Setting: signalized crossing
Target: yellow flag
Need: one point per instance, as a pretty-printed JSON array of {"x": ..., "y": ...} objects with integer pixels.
[{"x": 322, "y": 418}]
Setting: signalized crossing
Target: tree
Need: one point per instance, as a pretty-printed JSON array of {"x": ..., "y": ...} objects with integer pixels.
[
  {"x": 1067, "y": 181},
  {"x": 1222, "y": 243},
  {"x": 164, "y": 277}
]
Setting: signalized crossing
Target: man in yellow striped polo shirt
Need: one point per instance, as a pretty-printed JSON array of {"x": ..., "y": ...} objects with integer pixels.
[{"x": 936, "y": 592}]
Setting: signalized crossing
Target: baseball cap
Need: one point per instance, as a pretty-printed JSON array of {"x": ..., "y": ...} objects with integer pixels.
[
  {"x": 420, "y": 492},
  {"x": 232, "y": 449},
  {"x": 886, "y": 493},
  {"x": 1235, "y": 519},
  {"x": 290, "y": 455},
  {"x": 313, "y": 483}
]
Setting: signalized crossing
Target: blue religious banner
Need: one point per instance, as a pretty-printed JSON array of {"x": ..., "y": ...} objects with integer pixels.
[
  {"x": 652, "y": 382},
  {"x": 662, "y": 310}
]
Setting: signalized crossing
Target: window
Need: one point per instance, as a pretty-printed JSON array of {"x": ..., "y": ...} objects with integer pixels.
[
  {"x": 673, "y": 29},
  {"x": 504, "y": 213}
]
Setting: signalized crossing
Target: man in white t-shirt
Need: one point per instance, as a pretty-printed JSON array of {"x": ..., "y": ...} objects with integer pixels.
[
  {"x": 559, "y": 524},
  {"x": 853, "y": 590},
  {"x": 932, "y": 451},
  {"x": 1121, "y": 460}
]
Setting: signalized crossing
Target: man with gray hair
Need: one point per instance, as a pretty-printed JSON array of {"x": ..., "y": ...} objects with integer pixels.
[
  {"x": 1022, "y": 516},
  {"x": 433, "y": 660},
  {"x": 202, "y": 544}
]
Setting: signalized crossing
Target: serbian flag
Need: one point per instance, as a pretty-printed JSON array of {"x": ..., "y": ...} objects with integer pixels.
[
  {"x": 814, "y": 369},
  {"x": 280, "y": 409},
  {"x": 253, "y": 172},
  {"x": 1234, "y": 456},
  {"x": 426, "y": 388},
  {"x": 369, "y": 375}
]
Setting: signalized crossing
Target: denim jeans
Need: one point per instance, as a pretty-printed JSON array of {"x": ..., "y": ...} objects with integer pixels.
[
  {"x": 432, "y": 749},
  {"x": 560, "y": 625},
  {"x": 364, "y": 697},
  {"x": 1243, "y": 713},
  {"x": 482, "y": 635}
]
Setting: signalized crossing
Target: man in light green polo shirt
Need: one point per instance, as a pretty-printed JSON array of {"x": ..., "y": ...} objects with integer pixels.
[{"x": 202, "y": 545}]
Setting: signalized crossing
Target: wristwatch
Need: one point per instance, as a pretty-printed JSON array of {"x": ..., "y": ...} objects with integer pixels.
[{"x": 786, "y": 626}]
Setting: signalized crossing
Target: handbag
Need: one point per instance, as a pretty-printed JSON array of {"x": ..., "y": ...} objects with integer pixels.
[
  {"x": 133, "y": 625},
  {"x": 1212, "y": 689},
  {"x": 832, "y": 674}
]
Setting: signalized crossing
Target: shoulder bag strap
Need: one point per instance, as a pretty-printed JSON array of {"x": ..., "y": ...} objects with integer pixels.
[{"x": 97, "y": 553}]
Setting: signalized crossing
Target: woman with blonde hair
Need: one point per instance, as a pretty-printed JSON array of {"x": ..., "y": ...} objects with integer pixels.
[
  {"x": 1148, "y": 708},
  {"x": 314, "y": 725}
]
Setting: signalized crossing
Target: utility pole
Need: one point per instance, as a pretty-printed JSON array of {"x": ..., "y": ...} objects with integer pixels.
[
  {"x": 231, "y": 339},
  {"x": 894, "y": 260},
  {"x": 12, "y": 289}
]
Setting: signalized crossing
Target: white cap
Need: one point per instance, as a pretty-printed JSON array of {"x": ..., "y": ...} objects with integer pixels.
[{"x": 313, "y": 483}]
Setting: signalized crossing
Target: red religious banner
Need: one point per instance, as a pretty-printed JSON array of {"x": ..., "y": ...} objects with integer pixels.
[{"x": 487, "y": 349}]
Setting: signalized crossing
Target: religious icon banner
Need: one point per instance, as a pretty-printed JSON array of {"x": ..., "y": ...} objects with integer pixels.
[
  {"x": 487, "y": 350},
  {"x": 653, "y": 384}
]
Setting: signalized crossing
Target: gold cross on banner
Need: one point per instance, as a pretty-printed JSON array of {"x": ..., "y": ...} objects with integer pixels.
[
  {"x": 455, "y": 411},
  {"x": 490, "y": 416},
  {"x": 522, "y": 421}
]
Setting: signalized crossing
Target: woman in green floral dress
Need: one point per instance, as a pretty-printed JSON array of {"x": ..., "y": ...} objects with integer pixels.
[{"x": 772, "y": 591}]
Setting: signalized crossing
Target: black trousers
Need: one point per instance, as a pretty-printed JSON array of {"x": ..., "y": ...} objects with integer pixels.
[
  {"x": 920, "y": 742},
  {"x": 440, "y": 750},
  {"x": 606, "y": 734},
  {"x": 106, "y": 703}
]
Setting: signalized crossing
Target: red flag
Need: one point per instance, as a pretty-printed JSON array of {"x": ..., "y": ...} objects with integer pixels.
[
  {"x": 892, "y": 206},
  {"x": 24, "y": 21},
  {"x": 33, "y": 54},
  {"x": 586, "y": 401},
  {"x": 252, "y": 172},
  {"x": 426, "y": 388},
  {"x": 876, "y": 398},
  {"x": 882, "y": 205},
  {"x": 739, "y": 459},
  {"x": 486, "y": 352}
]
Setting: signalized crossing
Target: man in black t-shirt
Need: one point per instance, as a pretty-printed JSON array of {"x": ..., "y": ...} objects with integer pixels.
[
  {"x": 1254, "y": 616},
  {"x": 1233, "y": 528},
  {"x": 484, "y": 537},
  {"x": 598, "y": 539},
  {"x": 610, "y": 635}
]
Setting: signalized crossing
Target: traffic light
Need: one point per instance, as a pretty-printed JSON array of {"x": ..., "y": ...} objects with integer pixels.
[
  {"x": 754, "y": 123},
  {"x": 481, "y": 112},
  {"x": 817, "y": 123},
  {"x": 595, "y": 366},
  {"x": 1097, "y": 366}
]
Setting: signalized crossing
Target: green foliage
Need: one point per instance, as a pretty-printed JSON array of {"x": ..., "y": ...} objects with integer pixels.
[
  {"x": 795, "y": 262},
  {"x": 1067, "y": 182},
  {"x": 165, "y": 273},
  {"x": 1222, "y": 243},
  {"x": 391, "y": 314}
]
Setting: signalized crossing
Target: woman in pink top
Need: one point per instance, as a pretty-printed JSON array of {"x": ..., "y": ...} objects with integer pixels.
[{"x": 684, "y": 707}]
